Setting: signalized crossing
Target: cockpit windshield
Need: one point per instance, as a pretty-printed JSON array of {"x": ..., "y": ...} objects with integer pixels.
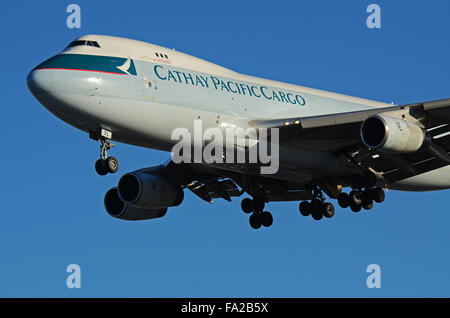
[{"x": 84, "y": 43}]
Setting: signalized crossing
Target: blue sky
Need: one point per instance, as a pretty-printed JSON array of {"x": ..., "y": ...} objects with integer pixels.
[{"x": 52, "y": 200}]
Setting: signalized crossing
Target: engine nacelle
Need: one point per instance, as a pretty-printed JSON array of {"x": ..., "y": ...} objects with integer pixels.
[
  {"x": 119, "y": 209},
  {"x": 390, "y": 134},
  {"x": 144, "y": 190}
]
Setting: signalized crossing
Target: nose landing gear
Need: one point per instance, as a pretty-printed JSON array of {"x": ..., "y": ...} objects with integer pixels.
[{"x": 106, "y": 164}]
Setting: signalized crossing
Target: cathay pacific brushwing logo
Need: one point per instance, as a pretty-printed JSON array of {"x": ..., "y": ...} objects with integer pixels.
[{"x": 128, "y": 67}]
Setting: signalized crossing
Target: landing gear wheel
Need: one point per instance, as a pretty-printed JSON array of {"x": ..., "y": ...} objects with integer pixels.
[
  {"x": 378, "y": 195},
  {"x": 366, "y": 200},
  {"x": 255, "y": 221},
  {"x": 344, "y": 200},
  {"x": 355, "y": 207},
  {"x": 317, "y": 209},
  {"x": 316, "y": 204},
  {"x": 367, "y": 205},
  {"x": 258, "y": 203},
  {"x": 267, "y": 219},
  {"x": 112, "y": 164},
  {"x": 355, "y": 198},
  {"x": 317, "y": 214},
  {"x": 247, "y": 205},
  {"x": 100, "y": 167},
  {"x": 328, "y": 210},
  {"x": 305, "y": 208}
]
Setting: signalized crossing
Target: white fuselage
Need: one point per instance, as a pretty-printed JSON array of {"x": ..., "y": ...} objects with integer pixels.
[{"x": 142, "y": 92}]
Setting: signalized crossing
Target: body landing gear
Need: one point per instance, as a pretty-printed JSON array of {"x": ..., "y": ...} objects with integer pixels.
[
  {"x": 106, "y": 164},
  {"x": 258, "y": 217},
  {"x": 317, "y": 208},
  {"x": 363, "y": 195}
]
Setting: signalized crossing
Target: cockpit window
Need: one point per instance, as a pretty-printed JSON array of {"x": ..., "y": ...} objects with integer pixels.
[
  {"x": 76, "y": 43},
  {"x": 93, "y": 43},
  {"x": 84, "y": 43}
]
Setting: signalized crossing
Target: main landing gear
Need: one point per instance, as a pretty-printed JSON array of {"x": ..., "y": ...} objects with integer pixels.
[
  {"x": 363, "y": 194},
  {"x": 361, "y": 199},
  {"x": 317, "y": 208},
  {"x": 106, "y": 164},
  {"x": 258, "y": 216}
]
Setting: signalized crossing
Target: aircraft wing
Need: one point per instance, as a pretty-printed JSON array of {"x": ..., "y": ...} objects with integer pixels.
[
  {"x": 434, "y": 109},
  {"x": 340, "y": 134},
  {"x": 337, "y": 133}
]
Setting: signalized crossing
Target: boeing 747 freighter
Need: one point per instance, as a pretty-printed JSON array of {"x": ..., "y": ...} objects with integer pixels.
[{"x": 317, "y": 145}]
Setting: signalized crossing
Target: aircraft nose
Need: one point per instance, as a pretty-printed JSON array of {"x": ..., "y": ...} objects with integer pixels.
[{"x": 39, "y": 81}]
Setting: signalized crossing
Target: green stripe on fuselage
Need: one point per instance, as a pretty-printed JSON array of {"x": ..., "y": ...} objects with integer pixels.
[{"x": 84, "y": 62}]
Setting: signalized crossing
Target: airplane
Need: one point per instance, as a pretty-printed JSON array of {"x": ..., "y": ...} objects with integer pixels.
[{"x": 133, "y": 92}]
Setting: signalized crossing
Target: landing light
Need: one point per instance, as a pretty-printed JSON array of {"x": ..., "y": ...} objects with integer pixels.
[{"x": 94, "y": 80}]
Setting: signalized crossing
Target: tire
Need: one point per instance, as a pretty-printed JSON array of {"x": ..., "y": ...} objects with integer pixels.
[
  {"x": 100, "y": 167},
  {"x": 112, "y": 164},
  {"x": 316, "y": 204},
  {"x": 317, "y": 215},
  {"x": 328, "y": 210},
  {"x": 316, "y": 209},
  {"x": 344, "y": 200},
  {"x": 267, "y": 219},
  {"x": 355, "y": 197},
  {"x": 366, "y": 200},
  {"x": 367, "y": 205},
  {"x": 255, "y": 221},
  {"x": 355, "y": 207},
  {"x": 258, "y": 203},
  {"x": 247, "y": 205},
  {"x": 378, "y": 195},
  {"x": 305, "y": 208}
]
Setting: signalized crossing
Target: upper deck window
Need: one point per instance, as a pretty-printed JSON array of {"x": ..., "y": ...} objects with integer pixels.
[
  {"x": 161, "y": 55},
  {"x": 84, "y": 43}
]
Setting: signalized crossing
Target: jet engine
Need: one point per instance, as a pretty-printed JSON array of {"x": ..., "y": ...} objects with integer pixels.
[
  {"x": 142, "y": 195},
  {"x": 145, "y": 190},
  {"x": 119, "y": 209},
  {"x": 390, "y": 134}
]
